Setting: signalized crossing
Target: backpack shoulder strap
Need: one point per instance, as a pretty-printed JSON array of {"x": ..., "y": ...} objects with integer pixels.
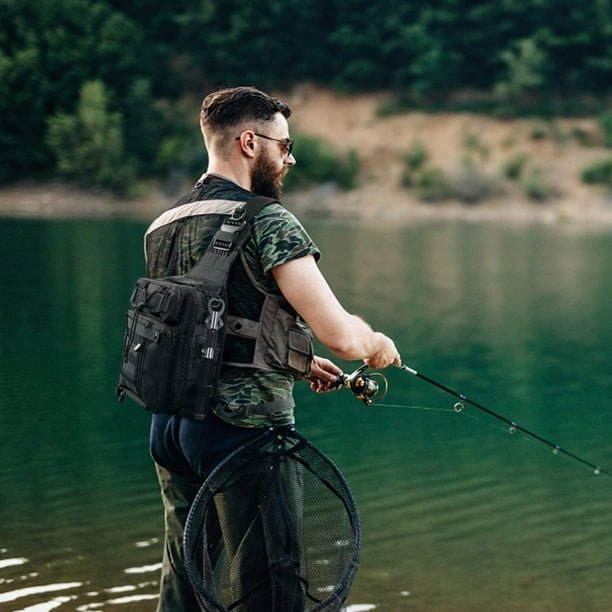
[
  {"x": 255, "y": 204},
  {"x": 216, "y": 261}
]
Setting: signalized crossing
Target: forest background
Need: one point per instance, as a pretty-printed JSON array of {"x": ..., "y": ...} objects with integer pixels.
[{"x": 467, "y": 104}]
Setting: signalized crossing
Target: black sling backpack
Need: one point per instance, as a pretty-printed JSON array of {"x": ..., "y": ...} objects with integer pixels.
[{"x": 176, "y": 327}]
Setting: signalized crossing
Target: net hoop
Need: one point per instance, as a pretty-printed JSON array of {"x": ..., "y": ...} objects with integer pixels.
[{"x": 273, "y": 528}]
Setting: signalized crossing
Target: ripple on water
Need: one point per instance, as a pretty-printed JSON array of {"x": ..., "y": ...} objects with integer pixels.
[{"x": 24, "y": 596}]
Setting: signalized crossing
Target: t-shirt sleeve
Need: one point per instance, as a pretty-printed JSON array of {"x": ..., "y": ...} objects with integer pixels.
[{"x": 280, "y": 238}]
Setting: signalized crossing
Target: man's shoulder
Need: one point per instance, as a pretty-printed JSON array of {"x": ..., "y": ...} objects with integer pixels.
[
  {"x": 197, "y": 205},
  {"x": 280, "y": 237},
  {"x": 219, "y": 198},
  {"x": 275, "y": 211}
]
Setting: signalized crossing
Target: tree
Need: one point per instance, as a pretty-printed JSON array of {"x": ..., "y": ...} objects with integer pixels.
[
  {"x": 48, "y": 50},
  {"x": 152, "y": 56},
  {"x": 527, "y": 66},
  {"x": 89, "y": 145}
]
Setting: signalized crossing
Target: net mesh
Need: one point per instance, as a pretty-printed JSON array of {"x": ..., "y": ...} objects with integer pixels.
[{"x": 273, "y": 529}]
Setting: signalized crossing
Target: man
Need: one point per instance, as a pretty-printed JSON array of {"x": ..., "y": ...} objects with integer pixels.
[{"x": 246, "y": 134}]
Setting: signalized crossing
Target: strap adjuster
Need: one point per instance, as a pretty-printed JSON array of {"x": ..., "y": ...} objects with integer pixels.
[{"x": 224, "y": 246}]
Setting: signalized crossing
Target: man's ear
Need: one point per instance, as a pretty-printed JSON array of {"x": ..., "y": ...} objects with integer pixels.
[{"x": 247, "y": 143}]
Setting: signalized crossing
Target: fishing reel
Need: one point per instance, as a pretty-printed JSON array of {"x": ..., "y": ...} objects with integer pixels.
[{"x": 369, "y": 388}]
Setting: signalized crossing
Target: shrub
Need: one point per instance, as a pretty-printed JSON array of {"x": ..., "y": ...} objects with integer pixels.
[
  {"x": 474, "y": 147},
  {"x": 413, "y": 159},
  {"x": 527, "y": 65},
  {"x": 346, "y": 170},
  {"x": 584, "y": 137},
  {"x": 604, "y": 121},
  {"x": 598, "y": 173},
  {"x": 539, "y": 131},
  {"x": 514, "y": 166},
  {"x": 535, "y": 185},
  {"x": 416, "y": 155},
  {"x": 431, "y": 185},
  {"x": 317, "y": 163}
]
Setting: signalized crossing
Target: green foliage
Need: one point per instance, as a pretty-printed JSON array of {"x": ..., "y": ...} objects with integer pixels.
[
  {"x": 535, "y": 185},
  {"x": 181, "y": 154},
  {"x": 416, "y": 155},
  {"x": 539, "y": 131},
  {"x": 475, "y": 150},
  {"x": 89, "y": 145},
  {"x": 318, "y": 163},
  {"x": 147, "y": 124},
  {"x": 514, "y": 166},
  {"x": 584, "y": 137},
  {"x": 598, "y": 173},
  {"x": 431, "y": 185},
  {"x": 526, "y": 65},
  {"x": 532, "y": 54},
  {"x": 605, "y": 124},
  {"x": 264, "y": 43},
  {"x": 414, "y": 159},
  {"x": 467, "y": 182},
  {"x": 48, "y": 50}
]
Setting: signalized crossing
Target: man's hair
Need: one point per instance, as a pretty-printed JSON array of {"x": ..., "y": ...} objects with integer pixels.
[{"x": 229, "y": 107}]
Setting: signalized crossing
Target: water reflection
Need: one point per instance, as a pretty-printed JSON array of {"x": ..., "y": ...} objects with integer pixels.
[{"x": 457, "y": 513}]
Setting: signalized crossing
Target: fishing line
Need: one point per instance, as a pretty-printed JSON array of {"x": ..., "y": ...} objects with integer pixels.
[
  {"x": 512, "y": 426},
  {"x": 427, "y": 408},
  {"x": 367, "y": 388},
  {"x": 458, "y": 408}
]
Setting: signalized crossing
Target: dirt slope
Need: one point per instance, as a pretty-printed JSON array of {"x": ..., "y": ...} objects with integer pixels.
[{"x": 354, "y": 123}]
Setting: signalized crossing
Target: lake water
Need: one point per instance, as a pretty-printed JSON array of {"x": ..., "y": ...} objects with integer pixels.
[{"x": 457, "y": 512}]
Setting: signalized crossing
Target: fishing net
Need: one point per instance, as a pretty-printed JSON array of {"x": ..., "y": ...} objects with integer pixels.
[{"x": 274, "y": 528}]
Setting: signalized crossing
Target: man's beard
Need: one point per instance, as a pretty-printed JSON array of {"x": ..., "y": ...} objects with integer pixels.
[{"x": 266, "y": 180}]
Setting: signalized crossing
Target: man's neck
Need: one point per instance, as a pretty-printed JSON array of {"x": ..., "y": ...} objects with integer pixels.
[
  {"x": 220, "y": 176},
  {"x": 228, "y": 172}
]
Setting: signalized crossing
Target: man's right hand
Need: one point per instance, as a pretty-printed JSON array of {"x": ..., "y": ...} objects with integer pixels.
[{"x": 385, "y": 353}]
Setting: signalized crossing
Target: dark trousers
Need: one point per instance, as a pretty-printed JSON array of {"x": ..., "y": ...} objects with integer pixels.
[
  {"x": 185, "y": 451},
  {"x": 178, "y": 493},
  {"x": 258, "y": 514}
]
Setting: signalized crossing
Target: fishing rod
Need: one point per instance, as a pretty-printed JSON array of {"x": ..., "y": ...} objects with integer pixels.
[{"x": 372, "y": 388}]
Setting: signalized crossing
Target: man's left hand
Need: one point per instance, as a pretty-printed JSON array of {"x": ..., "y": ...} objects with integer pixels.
[{"x": 323, "y": 375}]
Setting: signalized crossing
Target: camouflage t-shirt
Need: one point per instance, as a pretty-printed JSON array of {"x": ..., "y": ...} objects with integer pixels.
[{"x": 175, "y": 243}]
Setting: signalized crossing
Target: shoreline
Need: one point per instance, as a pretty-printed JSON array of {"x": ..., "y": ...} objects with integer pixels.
[
  {"x": 552, "y": 155},
  {"x": 60, "y": 201}
]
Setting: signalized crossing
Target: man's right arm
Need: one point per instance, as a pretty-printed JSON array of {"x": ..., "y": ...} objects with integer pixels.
[{"x": 345, "y": 334}]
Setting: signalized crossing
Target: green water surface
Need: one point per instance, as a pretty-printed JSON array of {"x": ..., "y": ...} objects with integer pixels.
[{"x": 458, "y": 513}]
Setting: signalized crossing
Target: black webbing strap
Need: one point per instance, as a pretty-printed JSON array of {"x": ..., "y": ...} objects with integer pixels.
[
  {"x": 215, "y": 263},
  {"x": 213, "y": 268}
]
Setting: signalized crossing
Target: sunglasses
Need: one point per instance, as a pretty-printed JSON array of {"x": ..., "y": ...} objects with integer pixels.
[{"x": 286, "y": 142}]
